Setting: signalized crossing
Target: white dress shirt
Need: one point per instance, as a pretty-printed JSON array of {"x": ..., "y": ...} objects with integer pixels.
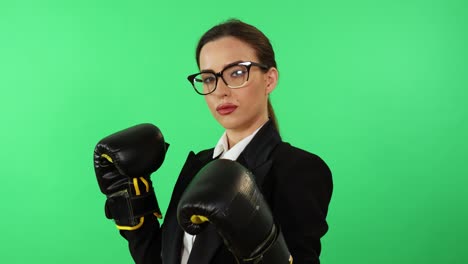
[{"x": 222, "y": 150}]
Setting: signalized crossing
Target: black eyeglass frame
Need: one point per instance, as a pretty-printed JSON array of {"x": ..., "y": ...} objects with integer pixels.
[{"x": 247, "y": 64}]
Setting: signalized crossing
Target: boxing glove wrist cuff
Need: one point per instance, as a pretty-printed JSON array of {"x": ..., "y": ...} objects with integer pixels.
[
  {"x": 273, "y": 250},
  {"x": 127, "y": 210}
]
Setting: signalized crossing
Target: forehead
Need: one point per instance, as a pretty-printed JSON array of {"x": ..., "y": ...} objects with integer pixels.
[{"x": 218, "y": 53}]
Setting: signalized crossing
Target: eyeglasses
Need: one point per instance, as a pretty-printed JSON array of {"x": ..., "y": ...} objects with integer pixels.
[{"x": 234, "y": 75}]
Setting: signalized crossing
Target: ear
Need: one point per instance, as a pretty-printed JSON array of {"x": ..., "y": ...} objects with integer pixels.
[{"x": 271, "y": 79}]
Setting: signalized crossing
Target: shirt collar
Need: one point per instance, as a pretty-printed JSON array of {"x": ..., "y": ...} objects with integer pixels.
[
  {"x": 221, "y": 146},
  {"x": 222, "y": 150}
]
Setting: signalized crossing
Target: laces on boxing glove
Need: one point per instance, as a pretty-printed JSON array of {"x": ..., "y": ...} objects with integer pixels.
[{"x": 127, "y": 208}]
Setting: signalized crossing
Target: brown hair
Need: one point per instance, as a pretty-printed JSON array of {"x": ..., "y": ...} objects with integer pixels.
[{"x": 250, "y": 35}]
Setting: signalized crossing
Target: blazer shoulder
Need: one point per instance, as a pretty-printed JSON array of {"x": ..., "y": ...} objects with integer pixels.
[
  {"x": 288, "y": 154},
  {"x": 297, "y": 166}
]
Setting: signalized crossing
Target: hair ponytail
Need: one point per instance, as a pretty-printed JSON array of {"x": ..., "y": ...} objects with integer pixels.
[{"x": 272, "y": 116}]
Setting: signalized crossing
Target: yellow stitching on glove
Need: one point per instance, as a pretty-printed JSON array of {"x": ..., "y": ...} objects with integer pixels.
[
  {"x": 131, "y": 228},
  {"x": 159, "y": 216},
  {"x": 145, "y": 183},
  {"x": 137, "y": 191},
  {"x": 107, "y": 158},
  {"x": 137, "y": 188},
  {"x": 198, "y": 219}
]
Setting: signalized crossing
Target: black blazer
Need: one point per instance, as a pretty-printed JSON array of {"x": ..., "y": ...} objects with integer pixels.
[{"x": 296, "y": 184}]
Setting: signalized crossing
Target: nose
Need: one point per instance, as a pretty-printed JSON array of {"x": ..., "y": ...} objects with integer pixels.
[{"x": 222, "y": 89}]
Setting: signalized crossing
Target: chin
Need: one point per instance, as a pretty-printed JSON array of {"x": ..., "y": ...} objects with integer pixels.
[{"x": 227, "y": 122}]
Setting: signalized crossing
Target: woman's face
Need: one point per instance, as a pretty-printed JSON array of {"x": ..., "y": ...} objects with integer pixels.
[{"x": 242, "y": 109}]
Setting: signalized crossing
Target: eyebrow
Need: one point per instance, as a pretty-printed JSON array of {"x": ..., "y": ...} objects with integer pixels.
[{"x": 224, "y": 66}]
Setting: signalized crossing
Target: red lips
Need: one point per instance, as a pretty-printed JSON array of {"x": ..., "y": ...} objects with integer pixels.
[{"x": 226, "y": 109}]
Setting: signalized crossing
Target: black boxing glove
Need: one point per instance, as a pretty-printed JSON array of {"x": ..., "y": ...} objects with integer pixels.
[
  {"x": 123, "y": 163},
  {"x": 224, "y": 194}
]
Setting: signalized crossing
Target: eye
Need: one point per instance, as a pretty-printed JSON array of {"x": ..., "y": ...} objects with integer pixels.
[
  {"x": 209, "y": 80},
  {"x": 238, "y": 73}
]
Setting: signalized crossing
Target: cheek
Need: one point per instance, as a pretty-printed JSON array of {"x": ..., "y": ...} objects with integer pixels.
[
  {"x": 254, "y": 93},
  {"x": 210, "y": 103}
]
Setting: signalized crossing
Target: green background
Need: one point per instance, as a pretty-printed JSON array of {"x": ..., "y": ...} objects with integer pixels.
[{"x": 378, "y": 89}]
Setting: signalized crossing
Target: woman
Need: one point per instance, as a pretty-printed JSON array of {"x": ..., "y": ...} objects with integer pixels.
[{"x": 237, "y": 74}]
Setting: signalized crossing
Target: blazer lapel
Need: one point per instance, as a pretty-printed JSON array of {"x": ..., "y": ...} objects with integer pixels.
[
  {"x": 256, "y": 156},
  {"x": 172, "y": 233},
  {"x": 205, "y": 246}
]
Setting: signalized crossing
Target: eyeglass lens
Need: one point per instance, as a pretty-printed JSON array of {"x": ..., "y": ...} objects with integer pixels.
[{"x": 234, "y": 76}]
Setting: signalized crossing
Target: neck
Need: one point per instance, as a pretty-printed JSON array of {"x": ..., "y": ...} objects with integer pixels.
[{"x": 237, "y": 134}]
